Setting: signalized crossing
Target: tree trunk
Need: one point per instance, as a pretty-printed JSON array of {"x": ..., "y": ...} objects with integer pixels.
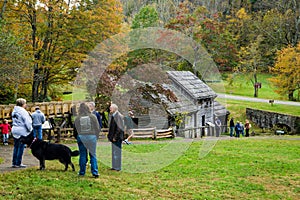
[
  {"x": 35, "y": 81},
  {"x": 291, "y": 95},
  {"x": 3, "y": 9},
  {"x": 255, "y": 85},
  {"x": 16, "y": 91}
]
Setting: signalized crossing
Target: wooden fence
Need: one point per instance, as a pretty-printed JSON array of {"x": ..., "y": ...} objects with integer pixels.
[
  {"x": 151, "y": 133},
  {"x": 50, "y": 109}
]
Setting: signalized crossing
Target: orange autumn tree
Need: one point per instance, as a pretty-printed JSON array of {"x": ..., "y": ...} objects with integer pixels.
[
  {"x": 57, "y": 36},
  {"x": 287, "y": 71}
]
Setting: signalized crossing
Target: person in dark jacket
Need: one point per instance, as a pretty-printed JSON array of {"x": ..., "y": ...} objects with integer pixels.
[
  {"x": 87, "y": 131},
  {"x": 231, "y": 126},
  {"x": 96, "y": 113},
  {"x": 238, "y": 129},
  {"x": 115, "y": 136}
]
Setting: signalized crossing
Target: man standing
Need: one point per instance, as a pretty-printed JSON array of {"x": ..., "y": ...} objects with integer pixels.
[
  {"x": 38, "y": 118},
  {"x": 115, "y": 136},
  {"x": 231, "y": 125}
]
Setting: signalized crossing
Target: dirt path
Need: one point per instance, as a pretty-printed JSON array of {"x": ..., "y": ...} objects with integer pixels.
[
  {"x": 243, "y": 98},
  {"x": 6, "y": 153}
]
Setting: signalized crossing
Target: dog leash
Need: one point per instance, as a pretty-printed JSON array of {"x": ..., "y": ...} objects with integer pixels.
[{"x": 32, "y": 142}]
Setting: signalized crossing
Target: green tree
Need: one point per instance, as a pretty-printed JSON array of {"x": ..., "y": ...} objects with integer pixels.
[
  {"x": 251, "y": 61},
  {"x": 146, "y": 17},
  {"x": 13, "y": 66}
]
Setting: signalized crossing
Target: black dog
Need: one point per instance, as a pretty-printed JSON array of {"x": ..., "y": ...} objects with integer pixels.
[{"x": 43, "y": 150}]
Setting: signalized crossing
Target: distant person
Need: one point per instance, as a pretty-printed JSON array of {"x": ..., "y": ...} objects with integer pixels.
[
  {"x": 219, "y": 124},
  {"x": 242, "y": 129},
  {"x": 128, "y": 126},
  {"x": 231, "y": 126},
  {"x": 38, "y": 118},
  {"x": 96, "y": 113},
  {"x": 87, "y": 131},
  {"x": 247, "y": 127},
  {"x": 238, "y": 129},
  {"x": 21, "y": 126},
  {"x": 115, "y": 136},
  {"x": 5, "y": 130}
]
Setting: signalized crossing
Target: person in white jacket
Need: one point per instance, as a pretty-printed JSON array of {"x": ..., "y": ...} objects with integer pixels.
[{"x": 21, "y": 126}]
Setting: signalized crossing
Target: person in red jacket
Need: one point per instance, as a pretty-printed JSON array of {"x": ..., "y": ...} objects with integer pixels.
[{"x": 5, "y": 129}]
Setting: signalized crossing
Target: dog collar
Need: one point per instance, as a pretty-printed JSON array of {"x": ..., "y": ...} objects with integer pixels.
[{"x": 32, "y": 142}]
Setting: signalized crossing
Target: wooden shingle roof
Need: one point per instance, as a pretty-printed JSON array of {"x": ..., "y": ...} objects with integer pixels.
[{"x": 191, "y": 84}]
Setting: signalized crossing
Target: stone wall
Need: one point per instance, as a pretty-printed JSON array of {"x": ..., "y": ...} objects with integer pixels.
[{"x": 266, "y": 119}]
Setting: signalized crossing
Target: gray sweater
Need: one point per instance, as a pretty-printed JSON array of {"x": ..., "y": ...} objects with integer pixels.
[{"x": 38, "y": 118}]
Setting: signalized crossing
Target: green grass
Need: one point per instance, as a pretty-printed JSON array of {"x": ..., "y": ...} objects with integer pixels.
[
  {"x": 242, "y": 86},
  {"x": 252, "y": 168},
  {"x": 237, "y": 109},
  {"x": 77, "y": 94}
]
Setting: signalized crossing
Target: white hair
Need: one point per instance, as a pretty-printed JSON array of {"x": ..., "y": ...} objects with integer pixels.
[{"x": 114, "y": 106}]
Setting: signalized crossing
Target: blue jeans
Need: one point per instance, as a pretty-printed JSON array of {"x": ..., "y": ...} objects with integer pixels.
[
  {"x": 231, "y": 131},
  {"x": 18, "y": 152},
  {"x": 38, "y": 132},
  {"x": 5, "y": 138},
  {"x": 116, "y": 154},
  {"x": 87, "y": 143}
]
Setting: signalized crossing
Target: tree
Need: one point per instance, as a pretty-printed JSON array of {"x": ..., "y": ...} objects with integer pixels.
[
  {"x": 58, "y": 35},
  {"x": 209, "y": 30},
  {"x": 287, "y": 71},
  {"x": 251, "y": 61},
  {"x": 146, "y": 17},
  {"x": 13, "y": 66}
]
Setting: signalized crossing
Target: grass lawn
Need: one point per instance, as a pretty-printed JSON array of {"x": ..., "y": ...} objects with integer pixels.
[
  {"x": 237, "y": 109},
  {"x": 242, "y": 86},
  {"x": 251, "y": 168}
]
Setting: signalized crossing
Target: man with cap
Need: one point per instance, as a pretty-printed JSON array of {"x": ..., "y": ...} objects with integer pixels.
[{"x": 38, "y": 118}]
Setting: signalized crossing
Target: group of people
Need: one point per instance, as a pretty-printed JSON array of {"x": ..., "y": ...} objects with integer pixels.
[
  {"x": 87, "y": 127},
  {"x": 239, "y": 128}
]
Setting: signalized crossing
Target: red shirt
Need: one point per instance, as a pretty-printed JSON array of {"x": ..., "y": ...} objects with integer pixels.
[{"x": 5, "y": 128}]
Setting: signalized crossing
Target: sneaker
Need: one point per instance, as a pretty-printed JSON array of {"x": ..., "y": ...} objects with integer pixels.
[
  {"x": 22, "y": 166},
  {"x": 96, "y": 175},
  {"x": 15, "y": 166},
  {"x": 5, "y": 143},
  {"x": 126, "y": 141}
]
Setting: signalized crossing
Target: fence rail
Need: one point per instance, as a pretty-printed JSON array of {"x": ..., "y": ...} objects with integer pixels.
[{"x": 50, "y": 109}]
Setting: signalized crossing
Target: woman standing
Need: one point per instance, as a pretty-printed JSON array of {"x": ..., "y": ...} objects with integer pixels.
[
  {"x": 21, "y": 126},
  {"x": 247, "y": 127},
  {"x": 88, "y": 129}
]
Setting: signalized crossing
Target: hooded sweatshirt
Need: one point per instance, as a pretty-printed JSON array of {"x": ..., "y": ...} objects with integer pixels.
[
  {"x": 38, "y": 118},
  {"x": 22, "y": 122}
]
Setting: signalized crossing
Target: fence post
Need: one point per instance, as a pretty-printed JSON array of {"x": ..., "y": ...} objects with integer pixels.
[{"x": 154, "y": 133}]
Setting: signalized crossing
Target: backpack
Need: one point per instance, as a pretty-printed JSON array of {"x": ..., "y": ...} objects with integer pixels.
[{"x": 85, "y": 125}]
